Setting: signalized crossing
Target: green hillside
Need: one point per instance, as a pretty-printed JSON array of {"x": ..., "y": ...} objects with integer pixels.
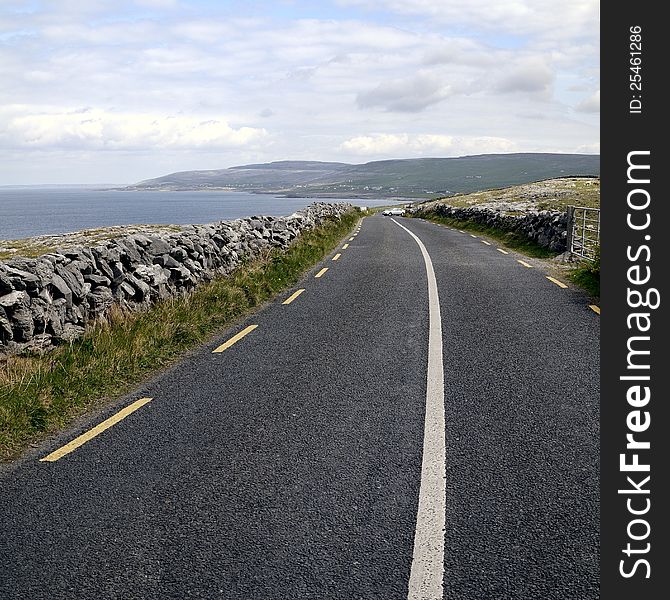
[{"x": 414, "y": 178}]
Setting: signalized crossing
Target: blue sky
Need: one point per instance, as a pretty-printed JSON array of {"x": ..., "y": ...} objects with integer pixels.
[{"x": 119, "y": 91}]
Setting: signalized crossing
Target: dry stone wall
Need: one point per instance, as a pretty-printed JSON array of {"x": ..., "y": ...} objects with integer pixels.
[
  {"x": 547, "y": 228},
  {"x": 49, "y": 300}
]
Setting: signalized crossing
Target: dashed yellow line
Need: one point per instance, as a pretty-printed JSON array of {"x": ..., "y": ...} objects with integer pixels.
[
  {"x": 351, "y": 239},
  {"x": 560, "y": 284},
  {"x": 501, "y": 250},
  {"x": 473, "y": 235},
  {"x": 594, "y": 308},
  {"x": 292, "y": 297},
  {"x": 97, "y": 430},
  {"x": 236, "y": 338},
  {"x": 485, "y": 242},
  {"x": 345, "y": 246},
  {"x": 321, "y": 273},
  {"x": 337, "y": 256},
  {"x": 525, "y": 264}
]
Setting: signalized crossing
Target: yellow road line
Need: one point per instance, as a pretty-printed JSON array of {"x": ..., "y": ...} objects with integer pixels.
[
  {"x": 560, "y": 284},
  {"x": 293, "y": 296},
  {"x": 321, "y": 273},
  {"x": 337, "y": 256},
  {"x": 594, "y": 308},
  {"x": 473, "y": 235},
  {"x": 351, "y": 239},
  {"x": 97, "y": 430},
  {"x": 501, "y": 250},
  {"x": 236, "y": 338},
  {"x": 345, "y": 246},
  {"x": 525, "y": 264},
  {"x": 485, "y": 242}
]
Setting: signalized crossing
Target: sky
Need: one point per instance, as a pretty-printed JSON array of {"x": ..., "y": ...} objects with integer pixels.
[{"x": 98, "y": 91}]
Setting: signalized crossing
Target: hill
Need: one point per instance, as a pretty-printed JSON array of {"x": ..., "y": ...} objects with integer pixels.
[{"x": 410, "y": 178}]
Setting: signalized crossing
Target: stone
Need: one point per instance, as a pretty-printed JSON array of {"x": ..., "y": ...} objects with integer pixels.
[
  {"x": 166, "y": 261},
  {"x": 81, "y": 267},
  {"x": 55, "y": 320},
  {"x": 6, "y": 333},
  {"x": 155, "y": 274},
  {"x": 44, "y": 270},
  {"x": 48, "y": 300},
  {"x": 60, "y": 289},
  {"x": 104, "y": 269},
  {"x": 76, "y": 314},
  {"x": 6, "y": 285},
  {"x": 40, "y": 342},
  {"x": 142, "y": 289},
  {"x": 22, "y": 323},
  {"x": 255, "y": 224},
  {"x": 22, "y": 280},
  {"x": 73, "y": 282},
  {"x": 13, "y": 299},
  {"x": 40, "y": 310},
  {"x": 130, "y": 255},
  {"x": 76, "y": 254},
  {"x": 141, "y": 240},
  {"x": 118, "y": 274},
  {"x": 22, "y": 264},
  {"x": 71, "y": 332},
  {"x": 97, "y": 280},
  {"x": 158, "y": 246},
  {"x": 99, "y": 300},
  {"x": 178, "y": 253}
]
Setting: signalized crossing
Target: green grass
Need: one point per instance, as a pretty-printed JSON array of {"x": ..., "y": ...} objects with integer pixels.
[
  {"x": 551, "y": 194},
  {"x": 40, "y": 394},
  {"x": 587, "y": 276},
  {"x": 511, "y": 239}
]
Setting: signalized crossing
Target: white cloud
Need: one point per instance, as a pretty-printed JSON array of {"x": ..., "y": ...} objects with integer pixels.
[
  {"x": 553, "y": 18},
  {"x": 590, "y": 104},
  {"x": 405, "y": 144},
  {"x": 97, "y": 129},
  {"x": 178, "y": 87},
  {"x": 530, "y": 75},
  {"x": 406, "y": 95}
]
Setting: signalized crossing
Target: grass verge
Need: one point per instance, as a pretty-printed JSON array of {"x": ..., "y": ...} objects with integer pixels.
[
  {"x": 587, "y": 276},
  {"x": 510, "y": 239},
  {"x": 40, "y": 394}
]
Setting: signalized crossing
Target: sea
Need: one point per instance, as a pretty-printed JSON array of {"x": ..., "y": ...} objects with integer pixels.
[{"x": 31, "y": 211}]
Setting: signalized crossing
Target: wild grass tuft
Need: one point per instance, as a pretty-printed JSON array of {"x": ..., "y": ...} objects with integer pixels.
[
  {"x": 587, "y": 276},
  {"x": 41, "y": 393}
]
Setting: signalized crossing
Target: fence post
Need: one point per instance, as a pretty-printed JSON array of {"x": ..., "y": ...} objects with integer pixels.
[{"x": 571, "y": 227}]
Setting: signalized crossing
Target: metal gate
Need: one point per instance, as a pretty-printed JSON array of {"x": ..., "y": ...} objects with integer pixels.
[{"x": 584, "y": 231}]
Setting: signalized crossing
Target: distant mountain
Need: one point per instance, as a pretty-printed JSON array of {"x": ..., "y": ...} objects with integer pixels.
[{"x": 409, "y": 178}]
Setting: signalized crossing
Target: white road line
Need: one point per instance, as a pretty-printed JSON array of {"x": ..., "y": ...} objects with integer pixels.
[{"x": 427, "y": 573}]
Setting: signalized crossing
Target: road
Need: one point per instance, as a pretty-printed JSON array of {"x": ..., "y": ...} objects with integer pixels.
[{"x": 288, "y": 465}]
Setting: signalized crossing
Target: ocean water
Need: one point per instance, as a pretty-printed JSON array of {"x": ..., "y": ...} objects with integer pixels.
[{"x": 26, "y": 212}]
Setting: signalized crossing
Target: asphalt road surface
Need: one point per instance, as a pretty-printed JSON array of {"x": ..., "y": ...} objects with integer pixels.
[{"x": 288, "y": 465}]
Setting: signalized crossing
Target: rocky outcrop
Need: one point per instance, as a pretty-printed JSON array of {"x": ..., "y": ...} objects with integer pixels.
[
  {"x": 547, "y": 228},
  {"x": 49, "y": 300}
]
